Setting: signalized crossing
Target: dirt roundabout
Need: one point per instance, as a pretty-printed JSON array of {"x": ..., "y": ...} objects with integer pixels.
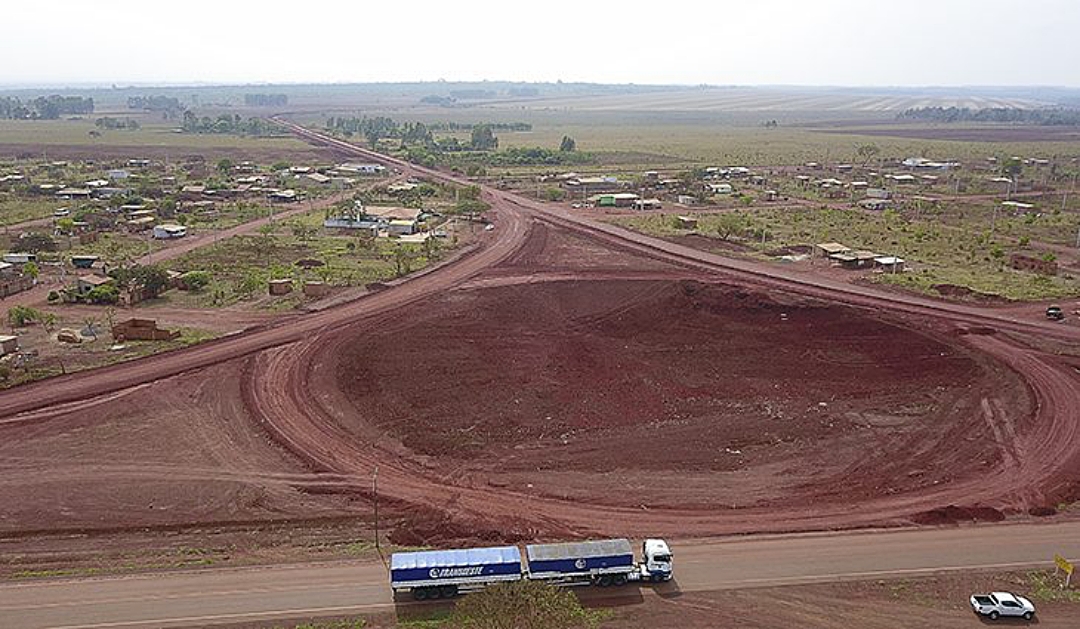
[{"x": 558, "y": 383}]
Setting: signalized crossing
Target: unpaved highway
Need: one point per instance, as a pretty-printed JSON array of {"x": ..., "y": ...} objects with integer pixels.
[{"x": 209, "y": 597}]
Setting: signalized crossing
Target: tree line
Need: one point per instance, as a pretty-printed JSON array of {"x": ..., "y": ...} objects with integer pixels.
[
  {"x": 226, "y": 123},
  {"x": 44, "y": 107},
  {"x": 1052, "y": 117},
  {"x": 266, "y": 100}
]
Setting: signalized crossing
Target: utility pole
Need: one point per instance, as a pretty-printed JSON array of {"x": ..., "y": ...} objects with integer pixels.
[{"x": 375, "y": 494}]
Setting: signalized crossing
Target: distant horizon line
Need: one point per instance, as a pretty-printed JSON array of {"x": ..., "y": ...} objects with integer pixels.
[{"x": 118, "y": 86}]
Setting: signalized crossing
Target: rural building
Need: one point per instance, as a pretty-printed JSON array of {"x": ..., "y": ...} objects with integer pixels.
[
  {"x": 8, "y": 344},
  {"x": 617, "y": 199},
  {"x": 142, "y": 330},
  {"x": 352, "y": 222},
  {"x": 169, "y": 230},
  {"x": 87, "y": 283},
  {"x": 902, "y": 179},
  {"x": 19, "y": 258},
  {"x": 647, "y": 204},
  {"x": 878, "y": 193},
  {"x": 719, "y": 188},
  {"x": 401, "y": 227},
  {"x": 192, "y": 192},
  {"x": 855, "y": 259},
  {"x": 389, "y": 213},
  {"x": 592, "y": 185},
  {"x": 74, "y": 193},
  {"x": 12, "y": 281},
  {"x": 280, "y": 287},
  {"x": 353, "y": 168},
  {"x": 892, "y": 264},
  {"x": 83, "y": 262},
  {"x": 686, "y": 222},
  {"x": 284, "y": 196},
  {"x": 827, "y": 249},
  {"x": 1023, "y": 262},
  {"x": 142, "y": 223},
  {"x": 875, "y": 204},
  {"x": 118, "y": 174},
  {"x": 405, "y": 186},
  {"x": 686, "y": 199},
  {"x": 318, "y": 178}
]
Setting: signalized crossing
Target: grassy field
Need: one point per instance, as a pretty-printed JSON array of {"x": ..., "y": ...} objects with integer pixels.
[
  {"x": 15, "y": 209},
  {"x": 939, "y": 254},
  {"x": 77, "y": 132}
]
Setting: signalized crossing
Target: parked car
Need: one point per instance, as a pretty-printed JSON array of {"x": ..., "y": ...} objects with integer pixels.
[
  {"x": 997, "y": 604},
  {"x": 1055, "y": 313}
]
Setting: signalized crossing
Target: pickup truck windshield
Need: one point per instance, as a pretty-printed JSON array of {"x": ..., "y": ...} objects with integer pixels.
[{"x": 662, "y": 558}]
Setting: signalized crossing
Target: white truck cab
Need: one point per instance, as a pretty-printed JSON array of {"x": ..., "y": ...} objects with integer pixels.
[{"x": 655, "y": 560}]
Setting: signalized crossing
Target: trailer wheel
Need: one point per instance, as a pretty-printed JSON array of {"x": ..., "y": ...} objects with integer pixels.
[
  {"x": 435, "y": 592},
  {"x": 620, "y": 579},
  {"x": 605, "y": 580},
  {"x": 419, "y": 594},
  {"x": 449, "y": 591}
]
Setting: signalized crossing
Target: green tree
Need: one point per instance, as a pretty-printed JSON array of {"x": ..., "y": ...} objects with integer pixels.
[
  {"x": 31, "y": 270},
  {"x": 568, "y": 145},
  {"x": 867, "y": 152},
  {"x": 727, "y": 225},
  {"x": 225, "y": 166},
  {"x": 483, "y": 138},
  {"x": 524, "y": 604}
]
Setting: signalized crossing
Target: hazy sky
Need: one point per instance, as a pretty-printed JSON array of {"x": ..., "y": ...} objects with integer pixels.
[{"x": 810, "y": 42}]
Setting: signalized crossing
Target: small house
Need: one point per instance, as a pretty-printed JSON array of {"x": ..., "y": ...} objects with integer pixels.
[
  {"x": 875, "y": 204},
  {"x": 401, "y": 227},
  {"x": 686, "y": 199},
  {"x": 647, "y": 204},
  {"x": 828, "y": 249},
  {"x": 84, "y": 262},
  {"x": 168, "y": 231},
  {"x": 8, "y": 344},
  {"x": 87, "y": 283},
  {"x": 686, "y": 222}
]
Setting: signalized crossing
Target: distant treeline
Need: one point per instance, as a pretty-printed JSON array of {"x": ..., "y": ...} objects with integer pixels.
[
  {"x": 110, "y": 124},
  {"x": 998, "y": 114},
  {"x": 379, "y": 127},
  {"x": 226, "y": 123},
  {"x": 265, "y": 100},
  {"x": 469, "y": 126},
  {"x": 44, "y": 107},
  {"x": 155, "y": 103}
]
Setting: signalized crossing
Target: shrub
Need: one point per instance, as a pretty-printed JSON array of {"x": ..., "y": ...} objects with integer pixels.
[{"x": 524, "y": 604}]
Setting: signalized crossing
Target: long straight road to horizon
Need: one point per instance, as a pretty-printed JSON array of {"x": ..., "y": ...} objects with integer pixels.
[{"x": 224, "y": 596}]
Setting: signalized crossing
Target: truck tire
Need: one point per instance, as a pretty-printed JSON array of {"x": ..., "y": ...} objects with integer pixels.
[
  {"x": 449, "y": 591},
  {"x": 620, "y": 579},
  {"x": 604, "y": 580},
  {"x": 419, "y": 594},
  {"x": 994, "y": 615},
  {"x": 434, "y": 592}
]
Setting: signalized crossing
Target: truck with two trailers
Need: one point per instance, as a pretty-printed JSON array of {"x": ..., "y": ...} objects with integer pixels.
[{"x": 433, "y": 574}]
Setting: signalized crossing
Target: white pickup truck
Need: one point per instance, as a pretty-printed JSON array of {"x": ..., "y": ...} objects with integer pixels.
[{"x": 997, "y": 604}]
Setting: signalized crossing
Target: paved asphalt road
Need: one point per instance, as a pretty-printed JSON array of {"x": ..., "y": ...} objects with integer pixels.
[{"x": 207, "y": 597}]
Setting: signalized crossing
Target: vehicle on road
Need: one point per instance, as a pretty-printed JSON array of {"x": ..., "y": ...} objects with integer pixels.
[
  {"x": 1002, "y": 604},
  {"x": 489, "y": 227},
  {"x": 1055, "y": 313},
  {"x": 433, "y": 574}
]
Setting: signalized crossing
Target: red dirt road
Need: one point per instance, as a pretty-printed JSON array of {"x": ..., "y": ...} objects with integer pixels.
[{"x": 566, "y": 378}]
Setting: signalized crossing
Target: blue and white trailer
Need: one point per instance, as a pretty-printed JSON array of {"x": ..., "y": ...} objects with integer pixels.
[{"x": 446, "y": 573}]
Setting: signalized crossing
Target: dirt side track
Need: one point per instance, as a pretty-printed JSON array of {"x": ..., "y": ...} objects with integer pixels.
[{"x": 470, "y": 389}]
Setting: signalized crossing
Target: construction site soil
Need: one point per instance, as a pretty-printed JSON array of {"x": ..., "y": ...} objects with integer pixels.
[{"x": 570, "y": 388}]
